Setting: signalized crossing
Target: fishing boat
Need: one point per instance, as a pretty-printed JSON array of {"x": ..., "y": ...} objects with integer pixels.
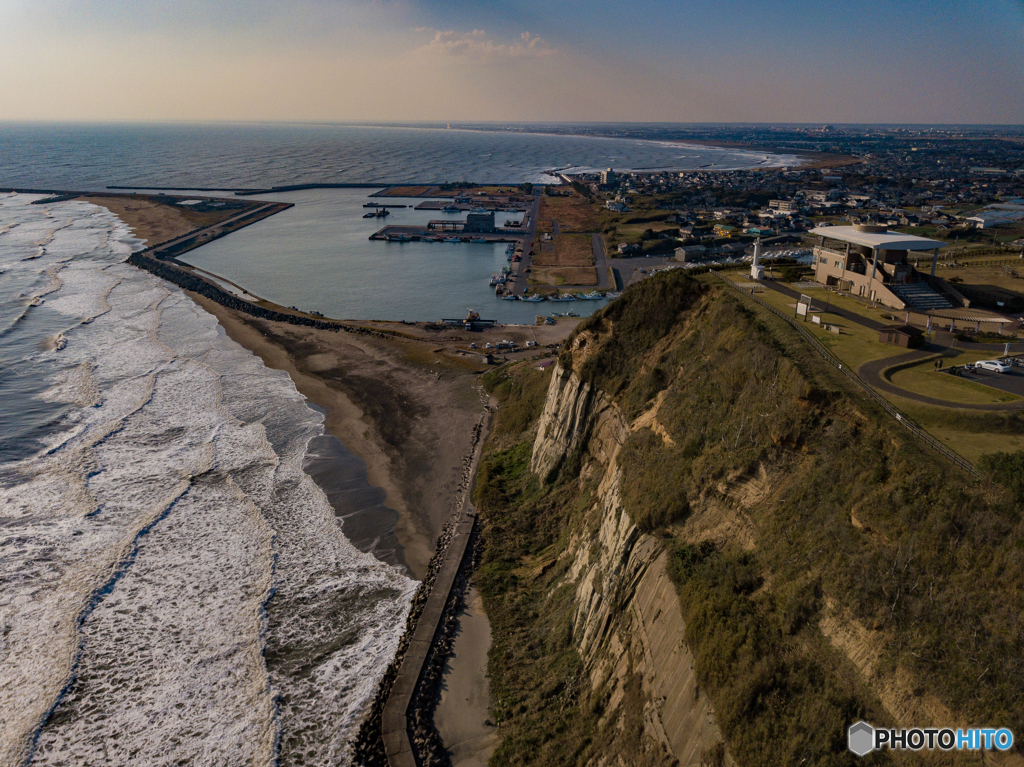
[
  {"x": 479, "y": 239},
  {"x": 371, "y": 214},
  {"x": 493, "y": 280},
  {"x": 510, "y": 298},
  {"x": 452, "y": 239},
  {"x": 449, "y": 209},
  {"x": 533, "y": 299},
  {"x": 592, "y": 296},
  {"x": 562, "y": 298}
]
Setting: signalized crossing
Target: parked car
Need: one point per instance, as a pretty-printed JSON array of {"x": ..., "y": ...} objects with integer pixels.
[{"x": 994, "y": 365}]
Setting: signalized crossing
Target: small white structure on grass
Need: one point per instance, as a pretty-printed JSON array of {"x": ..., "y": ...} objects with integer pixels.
[{"x": 756, "y": 270}]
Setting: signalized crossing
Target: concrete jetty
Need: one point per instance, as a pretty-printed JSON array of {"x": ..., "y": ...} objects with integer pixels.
[
  {"x": 394, "y": 721},
  {"x": 395, "y": 717}
]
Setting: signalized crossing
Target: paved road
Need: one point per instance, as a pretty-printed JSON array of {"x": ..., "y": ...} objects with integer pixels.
[
  {"x": 243, "y": 214},
  {"x": 626, "y": 267},
  {"x": 1012, "y": 382},
  {"x": 986, "y": 351},
  {"x": 853, "y": 317},
  {"x": 519, "y": 284},
  {"x": 600, "y": 262}
]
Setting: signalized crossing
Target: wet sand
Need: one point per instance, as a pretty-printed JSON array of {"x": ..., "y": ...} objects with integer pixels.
[{"x": 405, "y": 410}]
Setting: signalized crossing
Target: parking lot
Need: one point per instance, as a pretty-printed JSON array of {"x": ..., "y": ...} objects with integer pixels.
[{"x": 1012, "y": 382}]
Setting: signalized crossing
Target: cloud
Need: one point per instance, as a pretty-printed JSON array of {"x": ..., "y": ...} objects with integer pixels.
[{"x": 479, "y": 45}]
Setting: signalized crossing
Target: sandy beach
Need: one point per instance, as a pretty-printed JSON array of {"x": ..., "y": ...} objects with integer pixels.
[
  {"x": 407, "y": 411},
  {"x": 404, "y": 398},
  {"x": 149, "y": 221}
]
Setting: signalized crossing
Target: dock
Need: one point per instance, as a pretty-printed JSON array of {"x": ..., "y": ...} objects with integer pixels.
[{"x": 450, "y": 228}]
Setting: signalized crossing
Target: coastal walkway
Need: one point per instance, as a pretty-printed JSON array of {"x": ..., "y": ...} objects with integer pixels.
[
  {"x": 198, "y": 233},
  {"x": 395, "y": 718}
]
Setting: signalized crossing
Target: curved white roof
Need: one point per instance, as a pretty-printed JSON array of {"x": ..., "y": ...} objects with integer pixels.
[{"x": 880, "y": 240}]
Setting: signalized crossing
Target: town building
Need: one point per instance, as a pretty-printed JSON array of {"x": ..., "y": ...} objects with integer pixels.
[
  {"x": 479, "y": 222},
  {"x": 689, "y": 253},
  {"x": 987, "y": 219},
  {"x": 874, "y": 263},
  {"x": 906, "y": 336}
]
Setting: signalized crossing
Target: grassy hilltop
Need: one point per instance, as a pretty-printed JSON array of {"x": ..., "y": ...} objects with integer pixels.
[{"x": 852, "y": 524}]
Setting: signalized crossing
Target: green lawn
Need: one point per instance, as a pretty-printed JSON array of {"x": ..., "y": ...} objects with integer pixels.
[
  {"x": 923, "y": 378},
  {"x": 854, "y": 345},
  {"x": 971, "y": 433}
]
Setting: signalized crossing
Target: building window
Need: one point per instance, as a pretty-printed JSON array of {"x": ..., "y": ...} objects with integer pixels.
[{"x": 839, "y": 264}]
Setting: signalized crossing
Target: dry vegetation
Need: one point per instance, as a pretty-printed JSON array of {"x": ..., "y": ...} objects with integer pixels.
[
  {"x": 573, "y": 213},
  {"x": 569, "y": 262},
  {"x": 406, "y": 191},
  {"x": 859, "y": 514},
  {"x": 155, "y": 219}
]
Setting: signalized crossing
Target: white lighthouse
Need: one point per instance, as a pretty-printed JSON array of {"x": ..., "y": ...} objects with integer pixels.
[{"x": 756, "y": 270}]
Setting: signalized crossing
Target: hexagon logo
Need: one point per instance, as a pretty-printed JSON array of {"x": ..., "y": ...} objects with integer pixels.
[{"x": 860, "y": 738}]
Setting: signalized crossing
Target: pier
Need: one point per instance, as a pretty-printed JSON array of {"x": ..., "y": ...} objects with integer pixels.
[{"x": 430, "y": 233}]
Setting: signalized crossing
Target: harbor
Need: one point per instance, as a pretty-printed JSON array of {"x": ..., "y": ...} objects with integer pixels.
[{"x": 318, "y": 257}]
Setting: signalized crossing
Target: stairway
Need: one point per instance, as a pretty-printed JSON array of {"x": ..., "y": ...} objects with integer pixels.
[{"x": 919, "y": 296}]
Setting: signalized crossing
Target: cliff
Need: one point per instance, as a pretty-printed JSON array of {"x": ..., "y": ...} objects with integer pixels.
[
  {"x": 626, "y": 622},
  {"x": 702, "y": 547}
]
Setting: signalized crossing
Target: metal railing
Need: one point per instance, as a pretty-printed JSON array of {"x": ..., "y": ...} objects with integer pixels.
[{"x": 830, "y": 358}]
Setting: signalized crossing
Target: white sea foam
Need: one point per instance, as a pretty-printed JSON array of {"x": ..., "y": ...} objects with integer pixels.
[{"x": 176, "y": 588}]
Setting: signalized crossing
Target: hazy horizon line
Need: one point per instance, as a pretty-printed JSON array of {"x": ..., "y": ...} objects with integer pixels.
[{"x": 454, "y": 125}]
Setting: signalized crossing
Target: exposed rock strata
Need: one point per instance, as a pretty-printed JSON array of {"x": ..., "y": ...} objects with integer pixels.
[{"x": 627, "y": 621}]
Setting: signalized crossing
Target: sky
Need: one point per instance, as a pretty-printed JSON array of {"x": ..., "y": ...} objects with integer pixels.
[{"x": 857, "y": 61}]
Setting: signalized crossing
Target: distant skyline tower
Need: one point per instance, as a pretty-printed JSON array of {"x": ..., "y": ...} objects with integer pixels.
[{"x": 608, "y": 176}]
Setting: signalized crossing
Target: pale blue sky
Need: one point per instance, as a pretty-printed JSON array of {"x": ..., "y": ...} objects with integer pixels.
[{"x": 737, "y": 60}]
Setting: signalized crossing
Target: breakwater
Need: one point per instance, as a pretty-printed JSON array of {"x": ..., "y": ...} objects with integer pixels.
[
  {"x": 189, "y": 281},
  {"x": 399, "y": 730}
]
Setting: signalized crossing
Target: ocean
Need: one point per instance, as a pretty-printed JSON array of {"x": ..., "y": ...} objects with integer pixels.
[
  {"x": 317, "y": 255},
  {"x": 176, "y": 588},
  {"x": 228, "y": 156}
]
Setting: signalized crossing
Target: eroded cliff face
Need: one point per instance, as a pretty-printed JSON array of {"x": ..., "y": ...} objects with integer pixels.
[{"x": 627, "y": 621}]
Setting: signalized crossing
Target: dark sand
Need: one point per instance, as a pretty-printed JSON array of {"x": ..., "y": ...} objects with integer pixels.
[{"x": 405, "y": 411}]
